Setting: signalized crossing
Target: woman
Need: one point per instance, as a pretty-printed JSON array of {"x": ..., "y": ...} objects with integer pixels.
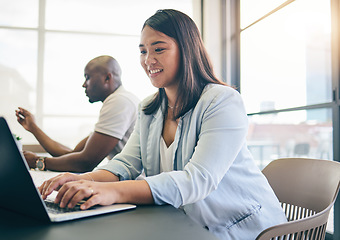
[{"x": 190, "y": 140}]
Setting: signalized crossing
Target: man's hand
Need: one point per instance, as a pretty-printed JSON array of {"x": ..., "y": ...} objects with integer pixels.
[
  {"x": 26, "y": 119},
  {"x": 31, "y": 158}
]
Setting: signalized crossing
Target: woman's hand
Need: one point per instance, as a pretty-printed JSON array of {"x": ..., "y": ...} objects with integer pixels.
[
  {"x": 72, "y": 188},
  {"x": 95, "y": 193},
  {"x": 55, "y": 183}
]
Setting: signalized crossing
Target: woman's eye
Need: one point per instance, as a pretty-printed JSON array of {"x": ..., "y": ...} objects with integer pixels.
[
  {"x": 159, "y": 49},
  {"x": 142, "y": 52}
]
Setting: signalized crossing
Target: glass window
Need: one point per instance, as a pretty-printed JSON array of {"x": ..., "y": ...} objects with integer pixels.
[
  {"x": 253, "y": 10},
  {"x": 286, "y": 58},
  {"x": 306, "y": 133},
  {"x": 75, "y": 32},
  {"x": 286, "y": 66},
  {"x": 64, "y": 70},
  {"x": 18, "y": 73},
  {"x": 19, "y": 13},
  {"x": 114, "y": 16},
  {"x": 73, "y": 128}
]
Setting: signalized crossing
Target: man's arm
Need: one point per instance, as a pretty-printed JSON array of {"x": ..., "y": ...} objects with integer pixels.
[
  {"x": 27, "y": 120},
  {"x": 81, "y": 145},
  {"x": 97, "y": 147}
]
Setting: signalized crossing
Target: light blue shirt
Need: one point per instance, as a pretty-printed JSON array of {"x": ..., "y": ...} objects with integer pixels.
[{"x": 215, "y": 181}]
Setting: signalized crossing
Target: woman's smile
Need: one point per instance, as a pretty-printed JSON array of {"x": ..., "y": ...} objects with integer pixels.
[
  {"x": 159, "y": 57},
  {"x": 155, "y": 72}
]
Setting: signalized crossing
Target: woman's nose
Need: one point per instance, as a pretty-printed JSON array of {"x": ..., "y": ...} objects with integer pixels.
[{"x": 150, "y": 59}]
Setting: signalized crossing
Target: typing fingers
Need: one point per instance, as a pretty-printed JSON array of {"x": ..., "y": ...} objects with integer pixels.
[
  {"x": 92, "y": 201},
  {"x": 56, "y": 182},
  {"x": 80, "y": 197},
  {"x": 43, "y": 188},
  {"x": 73, "y": 192}
]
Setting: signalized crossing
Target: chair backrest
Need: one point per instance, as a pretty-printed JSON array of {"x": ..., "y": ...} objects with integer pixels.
[
  {"x": 304, "y": 182},
  {"x": 307, "y": 189}
]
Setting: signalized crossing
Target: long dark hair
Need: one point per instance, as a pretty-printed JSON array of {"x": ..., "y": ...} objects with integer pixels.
[{"x": 195, "y": 70}]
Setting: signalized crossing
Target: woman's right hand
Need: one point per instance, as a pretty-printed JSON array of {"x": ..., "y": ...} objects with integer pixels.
[{"x": 55, "y": 183}]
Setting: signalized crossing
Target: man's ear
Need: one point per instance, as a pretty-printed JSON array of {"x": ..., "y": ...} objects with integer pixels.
[{"x": 108, "y": 76}]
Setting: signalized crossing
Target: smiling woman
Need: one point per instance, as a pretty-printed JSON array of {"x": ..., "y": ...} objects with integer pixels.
[{"x": 198, "y": 160}]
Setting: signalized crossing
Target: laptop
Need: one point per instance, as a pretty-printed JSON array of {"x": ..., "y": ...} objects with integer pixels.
[{"x": 18, "y": 192}]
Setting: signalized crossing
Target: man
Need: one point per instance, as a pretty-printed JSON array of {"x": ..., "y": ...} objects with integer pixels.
[{"x": 116, "y": 121}]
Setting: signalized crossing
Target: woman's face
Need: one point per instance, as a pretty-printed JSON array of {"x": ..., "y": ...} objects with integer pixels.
[{"x": 160, "y": 58}]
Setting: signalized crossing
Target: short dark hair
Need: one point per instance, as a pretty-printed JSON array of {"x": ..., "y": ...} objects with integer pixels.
[{"x": 195, "y": 70}]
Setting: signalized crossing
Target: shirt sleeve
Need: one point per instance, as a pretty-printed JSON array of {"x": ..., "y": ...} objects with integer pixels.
[{"x": 116, "y": 116}]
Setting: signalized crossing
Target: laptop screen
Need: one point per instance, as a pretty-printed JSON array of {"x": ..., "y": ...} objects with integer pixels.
[{"x": 18, "y": 192}]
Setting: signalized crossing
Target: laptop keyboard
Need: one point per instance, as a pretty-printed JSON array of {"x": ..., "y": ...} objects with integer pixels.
[{"x": 54, "y": 208}]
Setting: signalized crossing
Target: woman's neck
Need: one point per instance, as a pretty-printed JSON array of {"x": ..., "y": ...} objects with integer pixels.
[{"x": 171, "y": 95}]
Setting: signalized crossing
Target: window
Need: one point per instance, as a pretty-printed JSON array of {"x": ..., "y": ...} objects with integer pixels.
[
  {"x": 45, "y": 45},
  {"x": 286, "y": 63},
  {"x": 288, "y": 53},
  {"x": 303, "y": 133},
  {"x": 283, "y": 58}
]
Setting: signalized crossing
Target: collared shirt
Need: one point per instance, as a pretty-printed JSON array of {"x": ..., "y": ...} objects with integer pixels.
[{"x": 216, "y": 181}]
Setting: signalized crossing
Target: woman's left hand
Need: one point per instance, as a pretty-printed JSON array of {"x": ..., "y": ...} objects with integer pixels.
[{"x": 95, "y": 193}]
